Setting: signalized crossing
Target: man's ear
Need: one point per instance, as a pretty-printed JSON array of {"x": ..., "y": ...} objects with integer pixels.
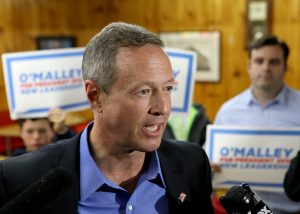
[{"x": 93, "y": 94}]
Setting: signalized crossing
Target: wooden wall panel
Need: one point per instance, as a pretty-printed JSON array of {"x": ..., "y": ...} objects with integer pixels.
[
  {"x": 141, "y": 12},
  {"x": 22, "y": 21},
  {"x": 226, "y": 16},
  {"x": 286, "y": 24}
]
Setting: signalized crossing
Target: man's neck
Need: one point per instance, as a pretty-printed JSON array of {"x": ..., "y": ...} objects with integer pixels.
[
  {"x": 265, "y": 96},
  {"x": 118, "y": 164},
  {"x": 124, "y": 170}
]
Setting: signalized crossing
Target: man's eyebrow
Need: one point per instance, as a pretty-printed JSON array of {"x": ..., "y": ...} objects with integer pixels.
[
  {"x": 151, "y": 83},
  {"x": 171, "y": 79}
]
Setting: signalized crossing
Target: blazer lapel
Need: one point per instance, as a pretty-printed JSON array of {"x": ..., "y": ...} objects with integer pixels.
[
  {"x": 68, "y": 158},
  {"x": 176, "y": 183}
]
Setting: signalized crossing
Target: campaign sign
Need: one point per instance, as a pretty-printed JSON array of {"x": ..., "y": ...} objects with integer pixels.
[
  {"x": 39, "y": 80},
  {"x": 257, "y": 156},
  {"x": 184, "y": 68}
]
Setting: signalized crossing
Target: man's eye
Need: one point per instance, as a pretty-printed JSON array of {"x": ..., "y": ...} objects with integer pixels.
[
  {"x": 258, "y": 61},
  {"x": 42, "y": 131},
  {"x": 30, "y": 131},
  {"x": 275, "y": 62},
  {"x": 169, "y": 89},
  {"x": 144, "y": 92}
]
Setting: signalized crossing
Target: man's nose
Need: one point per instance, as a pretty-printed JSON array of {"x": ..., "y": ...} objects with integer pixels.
[
  {"x": 36, "y": 135},
  {"x": 160, "y": 104},
  {"x": 266, "y": 65}
]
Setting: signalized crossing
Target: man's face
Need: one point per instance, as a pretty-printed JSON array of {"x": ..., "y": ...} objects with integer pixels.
[
  {"x": 266, "y": 68},
  {"x": 136, "y": 110},
  {"x": 36, "y": 133}
]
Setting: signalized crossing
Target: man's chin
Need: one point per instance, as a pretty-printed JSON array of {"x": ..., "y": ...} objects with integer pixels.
[
  {"x": 153, "y": 145},
  {"x": 36, "y": 147}
]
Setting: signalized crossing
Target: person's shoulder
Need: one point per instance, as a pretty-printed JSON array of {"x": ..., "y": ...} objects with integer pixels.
[
  {"x": 37, "y": 159},
  {"x": 30, "y": 158},
  {"x": 294, "y": 94},
  {"x": 232, "y": 105},
  {"x": 179, "y": 153},
  {"x": 238, "y": 99},
  {"x": 19, "y": 151},
  {"x": 180, "y": 148},
  {"x": 178, "y": 144},
  {"x": 17, "y": 173}
]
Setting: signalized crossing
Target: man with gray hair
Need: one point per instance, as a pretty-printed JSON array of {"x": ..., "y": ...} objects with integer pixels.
[{"x": 119, "y": 163}]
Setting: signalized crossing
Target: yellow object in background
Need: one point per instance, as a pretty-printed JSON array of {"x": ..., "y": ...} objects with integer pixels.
[{"x": 2, "y": 157}]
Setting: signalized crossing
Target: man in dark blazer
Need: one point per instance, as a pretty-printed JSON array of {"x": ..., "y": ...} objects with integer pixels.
[{"x": 120, "y": 163}]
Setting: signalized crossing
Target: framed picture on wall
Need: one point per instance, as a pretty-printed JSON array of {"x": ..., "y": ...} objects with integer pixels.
[
  {"x": 206, "y": 44},
  {"x": 258, "y": 19},
  {"x": 55, "y": 42}
]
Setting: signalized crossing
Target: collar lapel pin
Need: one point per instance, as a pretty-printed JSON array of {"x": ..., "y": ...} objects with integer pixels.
[{"x": 182, "y": 197}]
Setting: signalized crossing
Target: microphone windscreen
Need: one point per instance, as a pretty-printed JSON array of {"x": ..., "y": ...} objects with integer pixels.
[
  {"x": 234, "y": 199},
  {"x": 36, "y": 197},
  {"x": 241, "y": 200},
  {"x": 235, "y": 194}
]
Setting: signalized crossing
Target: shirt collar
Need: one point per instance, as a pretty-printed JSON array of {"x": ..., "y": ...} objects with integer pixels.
[
  {"x": 283, "y": 94},
  {"x": 91, "y": 177},
  {"x": 280, "y": 98},
  {"x": 153, "y": 172}
]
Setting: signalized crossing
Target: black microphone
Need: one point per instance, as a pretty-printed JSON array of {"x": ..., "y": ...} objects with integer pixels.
[
  {"x": 37, "y": 197},
  {"x": 242, "y": 200}
]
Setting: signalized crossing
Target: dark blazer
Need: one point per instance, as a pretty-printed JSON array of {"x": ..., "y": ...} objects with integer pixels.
[
  {"x": 185, "y": 167},
  {"x": 292, "y": 179}
]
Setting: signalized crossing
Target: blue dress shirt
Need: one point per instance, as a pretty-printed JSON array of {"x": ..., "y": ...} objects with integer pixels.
[
  {"x": 98, "y": 194},
  {"x": 283, "y": 111}
]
